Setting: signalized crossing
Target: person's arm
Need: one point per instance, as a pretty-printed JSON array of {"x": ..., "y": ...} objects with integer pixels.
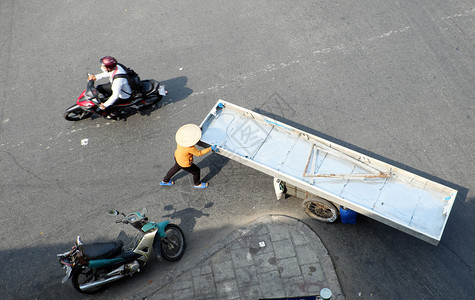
[
  {"x": 98, "y": 76},
  {"x": 102, "y": 75},
  {"x": 196, "y": 152}
]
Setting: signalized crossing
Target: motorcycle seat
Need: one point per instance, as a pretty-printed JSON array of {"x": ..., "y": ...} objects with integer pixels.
[
  {"x": 102, "y": 250},
  {"x": 147, "y": 86}
]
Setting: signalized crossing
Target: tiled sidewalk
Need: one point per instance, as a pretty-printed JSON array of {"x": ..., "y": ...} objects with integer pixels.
[{"x": 273, "y": 257}]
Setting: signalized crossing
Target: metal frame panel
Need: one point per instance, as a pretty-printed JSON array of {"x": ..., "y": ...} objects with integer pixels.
[{"x": 393, "y": 196}]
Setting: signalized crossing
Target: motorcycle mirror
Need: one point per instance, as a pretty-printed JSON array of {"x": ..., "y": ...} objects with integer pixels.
[
  {"x": 144, "y": 211},
  {"x": 114, "y": 212}
]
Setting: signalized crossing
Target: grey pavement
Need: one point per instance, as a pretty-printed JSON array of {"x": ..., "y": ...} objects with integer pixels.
[
  {"x": 274, "y": 256},
  {"x": 391, "y": 79}
]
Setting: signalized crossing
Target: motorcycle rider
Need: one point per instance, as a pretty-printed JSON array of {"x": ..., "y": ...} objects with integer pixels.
[{"x": 118, "y": 90}]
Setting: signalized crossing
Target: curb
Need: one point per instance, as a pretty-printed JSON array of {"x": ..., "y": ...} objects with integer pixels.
[{"x": 173, "y": 276}]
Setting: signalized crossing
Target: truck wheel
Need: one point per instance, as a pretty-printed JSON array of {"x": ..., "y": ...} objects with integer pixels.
[{"x": 320, "y": 209}]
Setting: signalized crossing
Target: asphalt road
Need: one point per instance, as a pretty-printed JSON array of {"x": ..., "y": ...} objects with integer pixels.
[{"x": 392, "y": 79}]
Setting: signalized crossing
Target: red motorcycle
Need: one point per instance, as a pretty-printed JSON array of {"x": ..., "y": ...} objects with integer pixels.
[{"x": 88, "y": 102}]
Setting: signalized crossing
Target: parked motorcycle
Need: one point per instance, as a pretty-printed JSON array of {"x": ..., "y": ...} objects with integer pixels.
[
  {"x": 92, "y": 266},
  {"x": 89, "y": 100}
]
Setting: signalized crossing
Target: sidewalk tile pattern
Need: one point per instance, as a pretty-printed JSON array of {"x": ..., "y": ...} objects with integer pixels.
[{"x": 274, "y": 256}]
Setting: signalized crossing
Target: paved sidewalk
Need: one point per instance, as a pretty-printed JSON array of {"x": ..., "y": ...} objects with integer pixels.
[{"x": 272, "y": 257}]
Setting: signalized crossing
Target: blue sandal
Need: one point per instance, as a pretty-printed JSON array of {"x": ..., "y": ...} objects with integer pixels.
[
  {"x": 170, "y": 183},
  {"x": 203, "y": 185}
]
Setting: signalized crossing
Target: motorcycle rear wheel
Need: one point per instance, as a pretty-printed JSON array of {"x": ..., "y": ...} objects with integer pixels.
[
  {"x": 157, "y": 99},
  {"x": 83, "y": 276},
  {"x": 76, "y": 113},
  {"x": 173, "y": 246}
]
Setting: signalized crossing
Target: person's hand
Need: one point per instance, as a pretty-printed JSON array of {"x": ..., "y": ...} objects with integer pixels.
[
  {"x": 91, "y": 77},
  {"x": 101, "y": 106},
  {"x": 214, "y": 148}
]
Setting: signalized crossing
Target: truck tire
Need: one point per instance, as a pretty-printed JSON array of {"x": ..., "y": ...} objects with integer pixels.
[{"x": 320, "y": 209}]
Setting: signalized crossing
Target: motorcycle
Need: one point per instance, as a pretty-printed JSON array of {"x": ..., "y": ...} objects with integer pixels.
[
  {"x": 92, "y": 266},
  {"x": 89, "y": 100}
]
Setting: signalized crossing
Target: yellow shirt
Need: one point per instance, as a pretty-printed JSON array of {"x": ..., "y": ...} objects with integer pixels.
[{"x": 184, "y": 155}]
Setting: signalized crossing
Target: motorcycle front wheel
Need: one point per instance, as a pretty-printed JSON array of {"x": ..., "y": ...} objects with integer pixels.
[
  {"x": 84, "y": 276},
  {"x": 76, "y": 113},
  {"x": 173, "y": 246}
]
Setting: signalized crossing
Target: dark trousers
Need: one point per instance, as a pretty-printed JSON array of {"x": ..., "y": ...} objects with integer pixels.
[
  {"x": 106, "y": 90},
  {"x": 193, "y": 169}
]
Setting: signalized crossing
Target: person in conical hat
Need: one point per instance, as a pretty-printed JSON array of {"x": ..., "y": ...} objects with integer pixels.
[{"x": 186, "y": 138}]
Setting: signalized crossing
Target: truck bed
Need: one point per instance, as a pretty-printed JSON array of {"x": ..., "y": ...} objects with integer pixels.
[{"x": 393, "y": 196}]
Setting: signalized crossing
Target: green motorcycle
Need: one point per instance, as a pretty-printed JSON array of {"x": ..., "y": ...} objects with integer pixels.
[{"x": 92, "y": 266}]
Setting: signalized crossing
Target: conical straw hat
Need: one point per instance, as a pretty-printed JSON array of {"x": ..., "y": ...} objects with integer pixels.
[{"x": 188, "y": 135}]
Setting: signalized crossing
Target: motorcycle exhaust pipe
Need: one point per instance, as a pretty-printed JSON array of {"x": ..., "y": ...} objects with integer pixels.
[
  {"x": 117, "y": 271},
  {"x": 92, "y": 285}
]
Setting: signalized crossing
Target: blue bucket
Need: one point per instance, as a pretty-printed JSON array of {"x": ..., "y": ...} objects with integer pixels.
[{"x": 347, "y": 215}]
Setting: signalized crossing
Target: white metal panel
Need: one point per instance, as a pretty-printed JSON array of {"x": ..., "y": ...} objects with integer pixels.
[{"x": 381, "y": 191}]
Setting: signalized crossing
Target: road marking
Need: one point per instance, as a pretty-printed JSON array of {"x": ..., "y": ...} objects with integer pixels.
[
  {"x": 274, "y": 67},
  {"x": 464, "y": 14},
  {"x": 280, "y": 66},
  {"x": 265, "y": 70}
]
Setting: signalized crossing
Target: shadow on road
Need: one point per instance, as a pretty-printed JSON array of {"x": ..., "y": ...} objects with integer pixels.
[
  {"x": 34, "y": 272},
  {"x": 187, "y": 216}
]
